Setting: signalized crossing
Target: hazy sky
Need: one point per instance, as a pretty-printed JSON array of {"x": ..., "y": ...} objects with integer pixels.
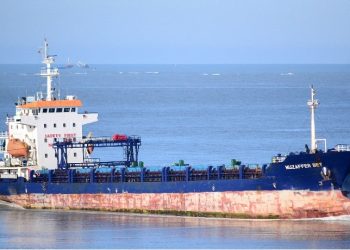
[{"x": 177, "y": 31}]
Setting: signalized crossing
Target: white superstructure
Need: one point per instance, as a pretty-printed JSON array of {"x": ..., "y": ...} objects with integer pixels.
[{"x": 39, "y": 121}]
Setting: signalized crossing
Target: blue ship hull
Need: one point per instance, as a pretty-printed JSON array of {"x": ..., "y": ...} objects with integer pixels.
[
  {"x": 300, "y": 186},
  {"x": 297, "y": 172}
]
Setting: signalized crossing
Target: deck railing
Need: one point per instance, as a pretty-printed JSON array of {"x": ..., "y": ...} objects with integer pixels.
[
  {"x": 10, "y": 119},
  {"x": 3, "y": 135},
  {"x": 342, "y": 147},
  {"x": 167, "y": 174}
]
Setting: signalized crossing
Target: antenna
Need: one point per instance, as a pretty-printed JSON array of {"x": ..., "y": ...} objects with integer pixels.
[
  {"x": 48, "y": 72},
  {"x": 313, "y": 103}
]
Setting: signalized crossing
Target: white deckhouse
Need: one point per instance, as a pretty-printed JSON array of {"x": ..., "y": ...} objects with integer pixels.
[{"x": 39, "y": 121}]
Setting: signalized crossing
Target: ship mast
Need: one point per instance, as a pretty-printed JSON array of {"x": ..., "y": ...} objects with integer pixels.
[
  {"x": 313, "y": 103},
  {"x": 48, "y": 72}
]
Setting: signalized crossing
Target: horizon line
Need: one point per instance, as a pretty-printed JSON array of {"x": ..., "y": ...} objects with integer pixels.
[{"x": 174, "y": 64}]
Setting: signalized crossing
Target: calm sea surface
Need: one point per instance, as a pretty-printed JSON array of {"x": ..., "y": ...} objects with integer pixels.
[
  {"x": 62, "y": 229},
  {"x": 203, "y": 114}
]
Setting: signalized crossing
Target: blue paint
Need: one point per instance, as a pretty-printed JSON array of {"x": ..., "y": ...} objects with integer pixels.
[{"x": 277, "y": 177}]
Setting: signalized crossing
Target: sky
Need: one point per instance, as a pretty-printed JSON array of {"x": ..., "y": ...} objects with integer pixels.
[{"x": 177, "y": 31}]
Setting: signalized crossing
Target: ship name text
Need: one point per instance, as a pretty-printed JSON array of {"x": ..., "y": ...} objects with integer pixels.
[
  {"x": 70, "y": 135},
  {"x": 304, "y": 165}
]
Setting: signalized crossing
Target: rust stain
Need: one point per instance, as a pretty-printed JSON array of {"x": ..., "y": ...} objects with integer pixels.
[{"x": 284, "y": 204}]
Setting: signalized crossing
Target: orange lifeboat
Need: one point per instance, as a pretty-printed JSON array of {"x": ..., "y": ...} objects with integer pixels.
[{"x": 17, "y": 148}]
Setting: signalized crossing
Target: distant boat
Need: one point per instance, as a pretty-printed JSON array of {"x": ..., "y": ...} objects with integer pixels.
[
  {"x": 68, "y": 65},
  {"x": 82, "y": 65},
  {"x": 287, "y": 74}
]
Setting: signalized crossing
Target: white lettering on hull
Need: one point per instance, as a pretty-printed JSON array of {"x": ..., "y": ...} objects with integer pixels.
[{"x": 303, "y": 166}]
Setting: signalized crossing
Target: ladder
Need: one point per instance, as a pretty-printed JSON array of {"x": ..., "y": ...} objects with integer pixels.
[{"x": 3, "y": 137}]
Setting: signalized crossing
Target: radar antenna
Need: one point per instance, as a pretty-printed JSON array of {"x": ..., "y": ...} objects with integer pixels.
[{"x": 48, "y": 71}]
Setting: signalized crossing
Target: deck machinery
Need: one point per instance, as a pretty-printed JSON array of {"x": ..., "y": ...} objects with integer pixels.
[{"x": 130, "y": 145}]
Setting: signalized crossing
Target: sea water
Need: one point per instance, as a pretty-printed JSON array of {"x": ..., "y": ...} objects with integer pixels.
[
  {"x": 204, "y": 115},
  {"x": 75, "y": 229}
]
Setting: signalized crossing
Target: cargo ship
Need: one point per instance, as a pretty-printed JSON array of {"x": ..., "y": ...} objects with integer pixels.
[{"x": 48, "y": 163}]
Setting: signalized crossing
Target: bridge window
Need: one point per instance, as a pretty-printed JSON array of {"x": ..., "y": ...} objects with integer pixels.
[
  {"x": 51, "y": 110},
  {"x": 66, "y": 109},
  {"x": 59, "y": 110},
  {"x": 73, "y": 110},
  {"x": 44, "y": 110}
]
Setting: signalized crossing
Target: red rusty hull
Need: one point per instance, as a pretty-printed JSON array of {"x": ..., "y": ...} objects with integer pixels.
[{"x": 254, "y": 204}]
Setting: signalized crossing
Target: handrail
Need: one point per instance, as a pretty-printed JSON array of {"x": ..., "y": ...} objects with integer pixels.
[
  {"x": 10, "y": 119},
  {"x": 342, "y": 147},
  {"x": 3, "y": 135},
  {"x": 51, "y": 72},
  {"x": 278, "y": 158}
]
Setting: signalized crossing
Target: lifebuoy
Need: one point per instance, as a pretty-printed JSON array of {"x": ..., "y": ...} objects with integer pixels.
[{"x": 90, "y": 148}]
